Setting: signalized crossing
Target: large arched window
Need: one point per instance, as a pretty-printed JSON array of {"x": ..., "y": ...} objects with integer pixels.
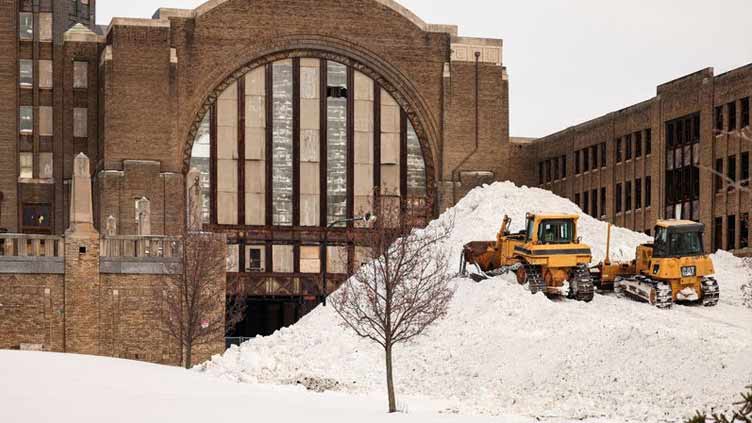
[{"x": 305, "y": 142}]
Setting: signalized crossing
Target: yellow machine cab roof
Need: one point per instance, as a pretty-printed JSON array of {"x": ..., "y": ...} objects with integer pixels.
[
  {"x": 683, "y": 225},
  {"x": 557, "y": 216}
]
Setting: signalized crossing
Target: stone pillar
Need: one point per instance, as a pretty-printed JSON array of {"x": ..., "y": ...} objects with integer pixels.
[
  {"x": 143, "y": 213},
  {"x": 81, "y": 267},
  {"x": 193, "y": 200}
]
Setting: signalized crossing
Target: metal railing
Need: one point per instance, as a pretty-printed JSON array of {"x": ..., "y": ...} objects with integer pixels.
[
  {"x": 141, "y": 246},
  {"x": 27, "y": 245}
]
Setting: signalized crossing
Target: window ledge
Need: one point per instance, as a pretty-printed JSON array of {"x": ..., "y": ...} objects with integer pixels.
[{"x": 50, "y": 181}]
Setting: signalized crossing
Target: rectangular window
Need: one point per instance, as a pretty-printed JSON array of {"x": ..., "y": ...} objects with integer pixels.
[
  {"x": 732, "y": 169},
  {"x": 586, "y": 159},
  {"x": 731, "y": 233},
  {"x": 638, "y": 194},
  {"x": 548, "y": 171},
  {"x": 36, "y": 217},
  {"x": 745, "y": 169},
  {"x": 617, "y": 196},
  {"x": 719, "y": 119},
  {"x": 618, "y": 150},
  {"x": 26, "y": 165},
  {"x": 80, "y": 125},
  {"x": 696, "y": 128},
  {"x": 577, "y": 162},
  {"x": 564, "y": 166},
  {"x": 26, "y": 26},
  {"x": 718, "y": 233},
  {"x": 337, "y": 146},
  {"x": 84, "y": 9},
  {"x": 603, "y": 202},
  {"x": 745, "y": 112},
  {"x": 26, "y": 115},
  {"x": 282, "y": 166},
  {"x": 45, "y": 121},
  {"x": 45, "y": 166},
  {"x": 586, "y": 202},
  {"x": 628, "y": 196},
  {"x": 45, "y": 27},
  {"x": 556, "y": 169},
  {"x": 577, "y": 200},
  {"x": 648, "y": 142},
  {"x": 254, "y": 259},
  {"x": 45, "y": 74},
  {"x": 744, "y": 231},
  {"x": 628, "y": 144},
  {"x": 25, "y": 73},
  {"x": 732, "y": 116},
  {"x": 541, "y": 175},
  {"x": 648, "y": 191},
  {"x": 80, "y": 75},
  {"x": 594, "y": 157},
  {"x": 638, "y": 144},
  {"x": 594, "y": 203},
  {"x": 282, "y": 259},
  {"x": 603, "y": 154},
  {"x": 718, "y": 181}
]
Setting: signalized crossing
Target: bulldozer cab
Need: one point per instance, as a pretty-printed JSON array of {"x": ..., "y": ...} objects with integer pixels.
[
  {"x": 678, "y": 239},
  {"x": 551, "y": 229}
]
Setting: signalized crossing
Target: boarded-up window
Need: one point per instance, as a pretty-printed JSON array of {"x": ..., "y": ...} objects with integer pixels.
[
  {"x": 45, "y": 74},
  {"x": 80, "y": 122},
  {"x": 45, "y": 166},
  {"x": 282, "y": 255},
  {"x": 310, "y": 259},
  {"x": 80, "y": 75},
  {"x": 45, "y": 121},
  {"x": 45, "y": 27}
]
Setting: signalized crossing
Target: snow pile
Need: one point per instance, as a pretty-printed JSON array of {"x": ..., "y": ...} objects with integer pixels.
[{"x": 502, "y": 350}]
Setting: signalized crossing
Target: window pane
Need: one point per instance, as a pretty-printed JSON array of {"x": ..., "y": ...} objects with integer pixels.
[
  {"x": 26, "y": 73},
  {"x": 26, "y": 165},
  {"x": 45, "y": 74},
  {"x": 26, "y": 119},
  {"x": 80, "y": 122},
  {"x": 45, "y": 121},
  {"x": 26, "y": 26},
  {"x": 416, "y": 166},
  {"x": 200, "y": 160},
  {"x": 310, "y": 151},
  {"x": 45, "y": 165},
  {"x": 336, "y": 144},
  {"x": 282, "y": 145},
  {"x": 80, "y": 75},
  {"x": 310, "y": 259},
  {"x": 36, "y": 216},
  {"x": 282, "y": 256},
  {"x": 45, "y": 27},
  {"x": 255, "y": 258}
]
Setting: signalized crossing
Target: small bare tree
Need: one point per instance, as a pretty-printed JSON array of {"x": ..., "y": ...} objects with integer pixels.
[
  {"x": 196, "y": 304},
  {"x": 402, "y": 291}
]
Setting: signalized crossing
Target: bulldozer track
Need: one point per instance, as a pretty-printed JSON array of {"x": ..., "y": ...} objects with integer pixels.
[
  {"x": 710, "y": 292},
  {"x": 581, "y": 287},
  {"x": 534, "y": 279},
  {"x": 642, "y": 288}
]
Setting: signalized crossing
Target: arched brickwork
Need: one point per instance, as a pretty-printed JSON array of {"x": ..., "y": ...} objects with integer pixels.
[{"x": 386, "y": 75}]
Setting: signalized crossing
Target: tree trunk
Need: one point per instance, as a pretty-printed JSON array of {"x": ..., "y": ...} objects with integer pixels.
[
  {"x": 390, "y": 380},
  {"x": 188, "y": 356}
]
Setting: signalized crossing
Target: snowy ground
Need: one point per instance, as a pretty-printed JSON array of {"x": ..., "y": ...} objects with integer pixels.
[
  {"x": 502, "y": 351},
  {"x": 66, "y": 388}
]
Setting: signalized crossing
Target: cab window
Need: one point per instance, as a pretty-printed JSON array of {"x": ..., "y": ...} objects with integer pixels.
[
  {"x": 556, "y": 232},
  {"x": 529, "y": 229}
]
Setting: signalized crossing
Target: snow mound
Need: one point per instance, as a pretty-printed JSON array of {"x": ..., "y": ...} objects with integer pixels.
[{"x": 502, "y": 350}]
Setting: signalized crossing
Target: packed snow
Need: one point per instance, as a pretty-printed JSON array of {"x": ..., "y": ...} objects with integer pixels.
[
  {"x": 503, "y": 351},
  {"x": 42, "y": 387}
]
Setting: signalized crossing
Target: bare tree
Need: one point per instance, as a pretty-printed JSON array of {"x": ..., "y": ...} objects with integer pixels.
[
  {"x": 196, "y": 304},
  {"x": 402, "y": 291}
]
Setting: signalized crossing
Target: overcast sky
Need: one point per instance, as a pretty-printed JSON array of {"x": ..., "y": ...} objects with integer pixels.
[{"x": 574, "y": 60}]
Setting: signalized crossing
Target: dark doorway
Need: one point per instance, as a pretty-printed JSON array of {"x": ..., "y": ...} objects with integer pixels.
[{"x": 263, "y": 317}]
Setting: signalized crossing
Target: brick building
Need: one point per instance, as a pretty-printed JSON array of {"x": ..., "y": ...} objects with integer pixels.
[
  {"x": 687, "y": 147},
  {"x": 298, "y": 114}
]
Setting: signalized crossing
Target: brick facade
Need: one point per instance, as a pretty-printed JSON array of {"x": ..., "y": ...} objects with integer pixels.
[{"x": 686, "y": 106}]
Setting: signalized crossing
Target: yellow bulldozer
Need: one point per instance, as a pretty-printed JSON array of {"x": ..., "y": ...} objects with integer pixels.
[
  {"x": 674, "y": 268},
  {"x": 547, "y": 256}
]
